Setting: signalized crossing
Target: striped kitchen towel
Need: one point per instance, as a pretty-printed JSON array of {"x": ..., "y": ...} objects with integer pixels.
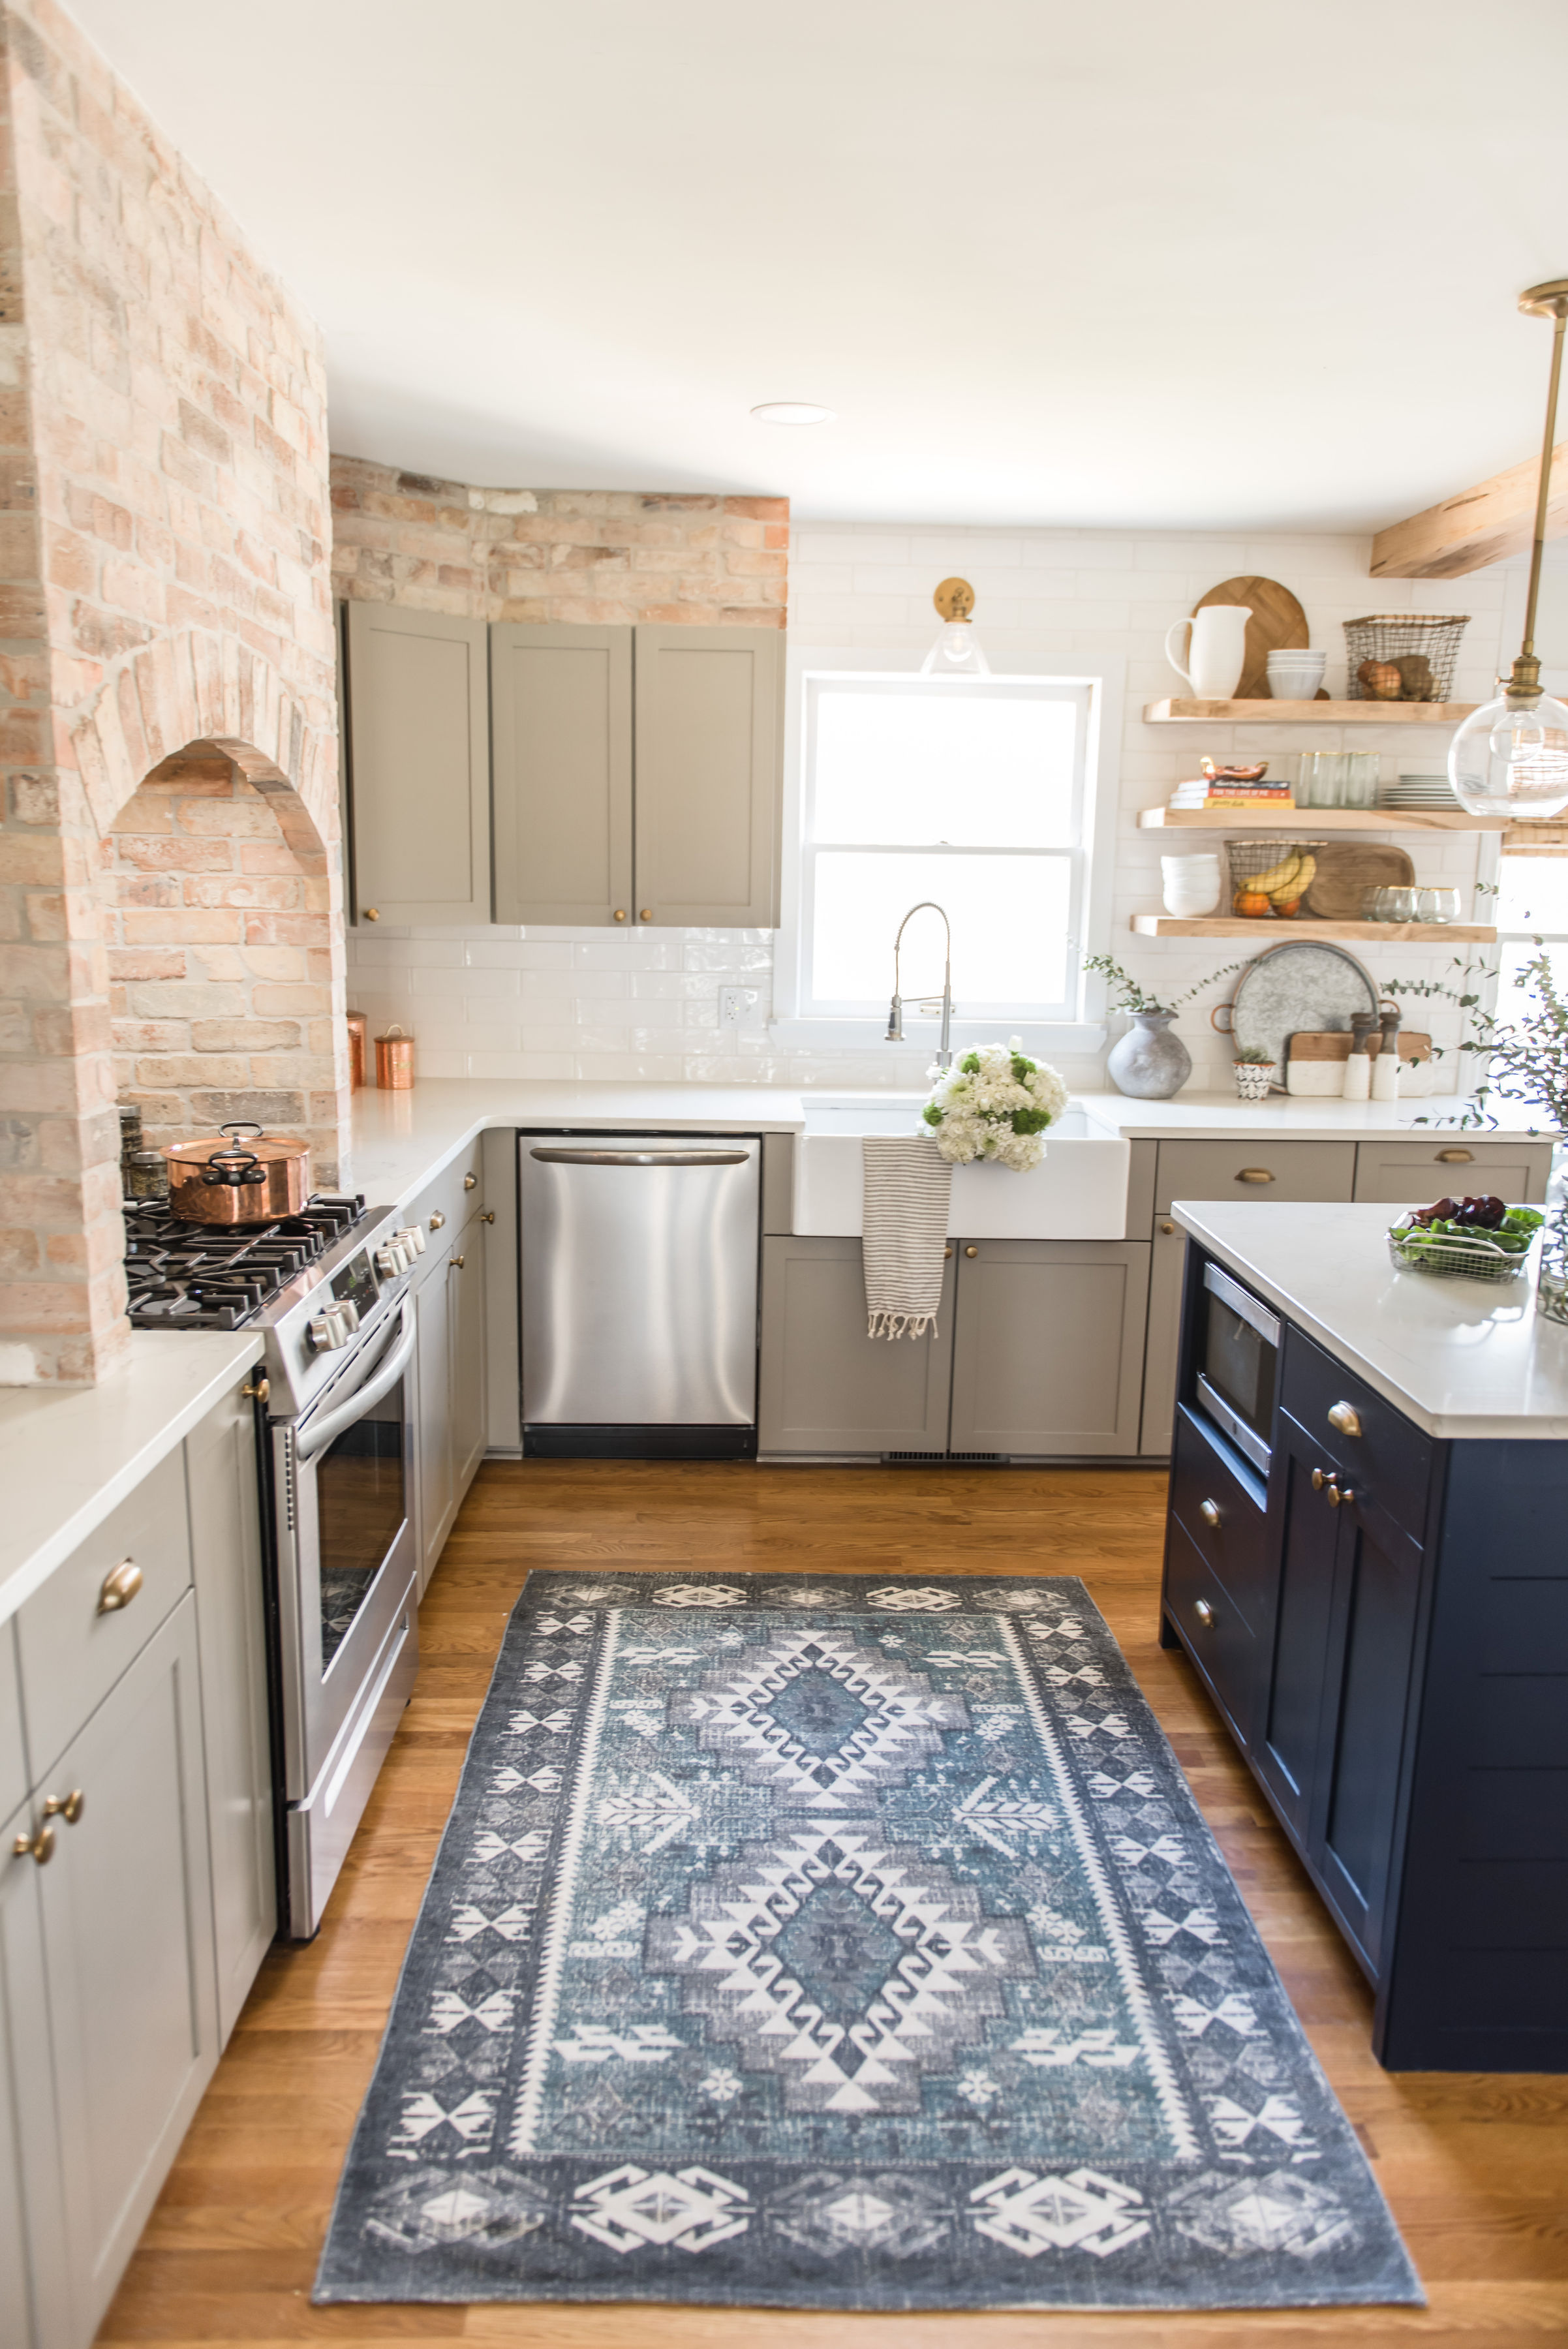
[{"x": 905, "y": 1231}]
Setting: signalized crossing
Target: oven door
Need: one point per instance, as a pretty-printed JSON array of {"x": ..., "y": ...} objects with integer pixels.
[
  {"x": 344, "y": 1476},
  {"x": 1239, "y": 1361}
]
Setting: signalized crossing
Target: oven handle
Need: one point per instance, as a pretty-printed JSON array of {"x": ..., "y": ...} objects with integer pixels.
[{"x": 383, "y": 1380}]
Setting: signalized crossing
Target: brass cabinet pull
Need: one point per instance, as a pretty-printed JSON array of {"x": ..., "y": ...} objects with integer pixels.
[
  {"x": 488, "y": 1216},
  {"x": 1254, "y": 1175},
  {"x": 972, "y": 1251},
  {"x": 1317, "y": 1480},
  {"x": 1204, "y": 1612},
  {"x": 68, "y": 1807},
  {"x": 947, "y": 1252},
  {"x": 471, "y": 1181},
  {"x": 620, "y": 913},
  {"x": 255, "y": 1390},
  {"x": 454, "y": 1264},
  {"x": 1168, "y": 1229},
  {"x": 1332, "y": 1494},
  {"x": 1346, "y": 1418},
  {"x": 1210, "y": 1512},
  {"x": 40, "y": 1847},
  {"x": 1456, "y": 1157},
  {"x": 120, "y": 1585},
  {"x": 438, "y": 1221},
  {"x": 646, "y": 914},
  {"x": 372, "y": 913}
]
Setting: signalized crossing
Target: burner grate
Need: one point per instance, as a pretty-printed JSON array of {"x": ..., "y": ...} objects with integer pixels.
[{"x": 198, "y": 1276}]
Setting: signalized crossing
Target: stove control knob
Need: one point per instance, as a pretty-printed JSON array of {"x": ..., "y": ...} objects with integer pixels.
[
  {"x": 351, "y": 1313},
  {"x": 412, "y": 1237},
  {"x": 391, "y": 1261},
  {"x": 327, "y": 1332}
]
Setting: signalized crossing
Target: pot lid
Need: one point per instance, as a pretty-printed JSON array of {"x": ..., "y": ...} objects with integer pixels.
[{"x": 267, "y": 1147}]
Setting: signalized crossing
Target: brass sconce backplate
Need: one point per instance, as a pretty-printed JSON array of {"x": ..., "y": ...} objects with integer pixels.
[{"x": 954, "y": 599}]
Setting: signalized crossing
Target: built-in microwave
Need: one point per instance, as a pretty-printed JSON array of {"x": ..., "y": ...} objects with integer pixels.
[{"x": 1237, "y": 1364}]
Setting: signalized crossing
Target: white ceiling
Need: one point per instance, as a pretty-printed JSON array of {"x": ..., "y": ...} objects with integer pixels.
[{"x": 1221, "y": 263}]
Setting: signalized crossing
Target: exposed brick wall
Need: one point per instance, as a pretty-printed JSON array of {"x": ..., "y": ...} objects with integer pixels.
[
  {"x": 604, "y": 556},
  {"x": 164, "y": 524}
]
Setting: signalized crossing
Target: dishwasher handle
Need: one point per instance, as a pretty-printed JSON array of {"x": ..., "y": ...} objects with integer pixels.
[{"x": 554, "y": 1157}]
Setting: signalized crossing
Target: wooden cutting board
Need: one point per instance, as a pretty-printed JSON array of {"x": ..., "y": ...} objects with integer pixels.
[
  {"x": 1347, "y": 869},
  {"x": 1315, "y": 1059},
  {"x": 1278, "y": 624}
]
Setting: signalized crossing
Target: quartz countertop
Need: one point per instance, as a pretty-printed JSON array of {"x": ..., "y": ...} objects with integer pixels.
[
  {"x": 1462, "y": 1358},
  {"x": 71, "y": 1454},
  {"x": 402, "y": 1140}
]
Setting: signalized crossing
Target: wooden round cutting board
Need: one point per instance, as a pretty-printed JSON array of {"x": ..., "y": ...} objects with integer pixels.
[
  {"x": 1278, "y": 624},
  {"x": 1347, "y": 869}
]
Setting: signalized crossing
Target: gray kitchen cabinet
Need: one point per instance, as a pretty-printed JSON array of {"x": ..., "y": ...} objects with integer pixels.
[
  {"x": 1048, "y": 1344},
  {"x": 225, "y": 1549},
  {"x": 709, "y": 707},
  {"x": 127, "y": 1918},
  {"x": 432, "y": 1418},
  {"x": 1256, "y": 1166},
  {"x": 1414, "y": 1173},
  {"x": 35, "y": 2271},
  {"x": 1166, "y": 1268},
  {"x": 561, "y": 710},
  {"x": 466, "y": 1340},
  {"x": 418, "y": 738},
  {"x": 828, "y": 1391}
]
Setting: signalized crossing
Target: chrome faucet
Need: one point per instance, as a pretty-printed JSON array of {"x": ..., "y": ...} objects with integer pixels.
[{"x": 895, "y": 1009}]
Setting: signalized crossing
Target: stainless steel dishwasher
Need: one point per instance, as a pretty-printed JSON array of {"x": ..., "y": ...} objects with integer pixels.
[{"x": 639, "y": 1295}]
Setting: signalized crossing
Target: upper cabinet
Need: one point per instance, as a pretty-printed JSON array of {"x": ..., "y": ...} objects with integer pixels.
[
  {"x": 562, "y": 702},
  {"x": 708, "y": 705},
  {"x": 635, "y": 771},
  {"x": 418, "y": 750}
]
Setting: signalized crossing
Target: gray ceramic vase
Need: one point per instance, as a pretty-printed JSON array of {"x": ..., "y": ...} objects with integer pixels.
[{"x": 1148, "y": 1063}]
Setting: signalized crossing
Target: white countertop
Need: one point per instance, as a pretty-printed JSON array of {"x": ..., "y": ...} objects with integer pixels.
[
  {"x": 402, "y": 1140},
  {"x": 71, "y": 1454},
  {"x": 1462, "y": 1358}
]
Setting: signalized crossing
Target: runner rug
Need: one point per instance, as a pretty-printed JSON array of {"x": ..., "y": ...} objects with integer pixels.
[{"x": 841, "y": 1943}]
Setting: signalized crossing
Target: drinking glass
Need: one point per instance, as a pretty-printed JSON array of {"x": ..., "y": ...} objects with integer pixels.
[
  {"x": 1360, "y": 784},
  {"x": 1401, "y": 905},
  {"x": 1372, "y": 908},
  {"x": 1437, "y": 905}
]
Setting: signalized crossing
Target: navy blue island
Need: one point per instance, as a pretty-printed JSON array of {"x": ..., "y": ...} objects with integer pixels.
[{"x": 1366, "y": 1560}]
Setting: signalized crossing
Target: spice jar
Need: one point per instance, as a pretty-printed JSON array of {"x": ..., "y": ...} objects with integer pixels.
[
  {"x": 358, "y": 1030},
  {"x": 146, "y": 1174},
  {"x": 395, "y": 1061},
  {"x": 130, "y": 1143}
]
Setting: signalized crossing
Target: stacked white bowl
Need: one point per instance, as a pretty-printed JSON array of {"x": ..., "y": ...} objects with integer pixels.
[
  {"x": 1295, "y": 675},
  {"x": 1192, "y": 886}
]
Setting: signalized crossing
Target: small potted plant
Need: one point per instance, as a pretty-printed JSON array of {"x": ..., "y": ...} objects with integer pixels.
[
  {"x": 1254, "y": 1073},
  {"x": 1148, "y": 1063}
]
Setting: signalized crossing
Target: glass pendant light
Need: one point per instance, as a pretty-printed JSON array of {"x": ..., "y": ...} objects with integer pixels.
[
  {"x": 1509, "y": 758},
  {"x": 957, "y": 650}
]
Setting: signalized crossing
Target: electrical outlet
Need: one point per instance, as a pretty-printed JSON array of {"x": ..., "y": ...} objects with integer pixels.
[{"x": 735, "y": 1005}]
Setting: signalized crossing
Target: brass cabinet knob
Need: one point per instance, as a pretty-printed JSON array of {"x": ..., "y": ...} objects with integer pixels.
[
  {"x": 1254, "y": 1175},
  {"x": 471, "y": 1181},
  {"x": 1456, "y": 1157},
  {"x": 1168, "y": 1229},
  {"x": 454, "y": 1264},
  {"x": 40, "y": 1847},
  {"x": 1332, "y": 1494},
  {"x": 1204, "y": 1612},
  {"x": 1317, "y": 1480},
  {"x": 120, "y": 1585},
  {"x": 1210, "y": 1512},
  {"x": 1346, "y": 1418},
  {"x": 488, "y": 1216},
  {"x": 947, "y": 1252},
  {"x": 372, "y": 913},
  {"x": 972, "y": 1251},
  {"x": 255, "y": 1390},
  {"x": 438, "y": 1221},
  {"x": 68, "y": 1807},
  {"x": 620, "y": 913},
  {"x": 646, "y": 914}
]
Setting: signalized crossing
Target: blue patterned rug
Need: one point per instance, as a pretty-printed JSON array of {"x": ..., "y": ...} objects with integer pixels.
[{"x": 841, "y": 1944}]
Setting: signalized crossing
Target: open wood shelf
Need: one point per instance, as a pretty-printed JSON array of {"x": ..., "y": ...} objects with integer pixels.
[
  {"x": 1271, "y": 928},
  {"x": 1324, "y": 820},
  {"x": 1182, "y": 711}
]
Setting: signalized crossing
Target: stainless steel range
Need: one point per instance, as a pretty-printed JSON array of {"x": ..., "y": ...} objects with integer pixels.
[{"x": 330, "y": 1286}]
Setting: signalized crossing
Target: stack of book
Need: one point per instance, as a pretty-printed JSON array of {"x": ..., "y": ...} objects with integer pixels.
[{"x": 1219, "y": 791}]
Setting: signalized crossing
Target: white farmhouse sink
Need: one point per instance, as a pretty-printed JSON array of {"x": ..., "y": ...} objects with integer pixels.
[{"x": 1078, "y": 1192}]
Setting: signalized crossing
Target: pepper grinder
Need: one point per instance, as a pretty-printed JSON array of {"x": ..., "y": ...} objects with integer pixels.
[
  {"x": 1357, "y": 1084},
  {"x": 1386, "y": 1067}
]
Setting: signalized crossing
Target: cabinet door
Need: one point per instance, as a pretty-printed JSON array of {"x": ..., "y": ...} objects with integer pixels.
[
  {"x": 127, "y": 1942},
  {"x": 1302, "y": 1621},
  {"x": 34, "y": 2308},
  {"x": 1167, "y": 1268},
  {"x": 226, "y": 1543},
  {"x": 826, "y": 1388},
  {"x": 419, "y": 752},
  {"x": 561, "y": 707},
  {"x": 466, "y": 1342},
  {"x": 709, "y": 762},
  {"x": 1413, "y": 1173},
  {"x": 1048, "y": 1347},
  {"x": 432, "y": 1416}
]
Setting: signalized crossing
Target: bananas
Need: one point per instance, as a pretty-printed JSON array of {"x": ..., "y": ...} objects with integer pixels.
[
  {"x": 1264, "y": 884},
  {"x": 1285, "y": 883}
]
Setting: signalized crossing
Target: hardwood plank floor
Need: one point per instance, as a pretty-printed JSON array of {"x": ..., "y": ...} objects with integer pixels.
[{"x": 1475, "y": 2168}]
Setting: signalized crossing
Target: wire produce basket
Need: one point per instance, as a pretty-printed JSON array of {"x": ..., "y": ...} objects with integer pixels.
[
  {"x": 1454, "y": 1259},
  {"x": 1403, "y": 656},
  {"x": 1260, "y": 856}
]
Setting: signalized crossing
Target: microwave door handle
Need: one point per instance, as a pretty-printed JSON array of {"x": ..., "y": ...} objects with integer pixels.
[{"x": 383, "y": 1380}]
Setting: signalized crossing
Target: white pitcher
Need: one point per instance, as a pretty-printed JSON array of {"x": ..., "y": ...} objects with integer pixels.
[{"x": 1218, "y": 652}]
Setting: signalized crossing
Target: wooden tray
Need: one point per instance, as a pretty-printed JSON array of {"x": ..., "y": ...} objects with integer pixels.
[
  {"x": 1278, "y": 624},
  {"x": 1315, "y": 1059},
  {"x": 1347, "y": 869}
]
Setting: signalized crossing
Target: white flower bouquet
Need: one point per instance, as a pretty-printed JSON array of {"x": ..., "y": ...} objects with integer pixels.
[{"x": 994, "y": 1103}]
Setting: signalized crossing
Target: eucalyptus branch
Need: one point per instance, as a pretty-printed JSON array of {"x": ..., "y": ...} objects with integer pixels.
[
  {"x": 1131, "y": 998},
  {"x": 1524, "y": 1061}
]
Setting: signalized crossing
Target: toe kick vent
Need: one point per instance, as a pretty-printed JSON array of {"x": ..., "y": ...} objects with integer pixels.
[{"x": 947, "y": 1460}]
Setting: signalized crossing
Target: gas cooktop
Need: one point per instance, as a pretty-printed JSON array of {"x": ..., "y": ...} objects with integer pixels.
[{"x": 209, "y": 1277}]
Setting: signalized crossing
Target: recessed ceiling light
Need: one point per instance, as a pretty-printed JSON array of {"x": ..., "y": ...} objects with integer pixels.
[{"x": 791, "y": 412}]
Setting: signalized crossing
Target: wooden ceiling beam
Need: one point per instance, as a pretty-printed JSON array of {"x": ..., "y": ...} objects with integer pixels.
[{"x": 1476, "y": 527}]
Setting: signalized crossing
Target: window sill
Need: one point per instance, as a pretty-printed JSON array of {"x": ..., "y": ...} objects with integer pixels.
[{"x": 1078, "y": 1039}]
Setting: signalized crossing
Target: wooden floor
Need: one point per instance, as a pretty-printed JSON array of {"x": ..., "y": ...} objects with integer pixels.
[{"x": 1475, "y": 2168}]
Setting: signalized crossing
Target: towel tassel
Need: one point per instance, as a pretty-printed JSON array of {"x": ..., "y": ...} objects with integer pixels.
[{"x": 900, "y": 1325}]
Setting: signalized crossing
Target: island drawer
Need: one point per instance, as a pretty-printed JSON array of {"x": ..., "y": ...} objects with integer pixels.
[
  {"x": 1384, "y": 1456},
  {"x": 1224, "y": 1523},
  {"x": 1256, "y": 1168},
  {"x": 72, "y": 1646},
  {"x": 1211, "y": 1626}
]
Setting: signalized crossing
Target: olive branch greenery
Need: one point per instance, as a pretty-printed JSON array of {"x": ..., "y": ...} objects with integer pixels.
[
  {"x": 1130, "y": 996},
  {"x": 1522, "y": 1061}
]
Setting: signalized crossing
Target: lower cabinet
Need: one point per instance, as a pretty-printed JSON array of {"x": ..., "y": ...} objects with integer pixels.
[
  {"x": 449, "y": 1403},
  {"x": 827, "y": 1389},
  {"x": 1166, "y": 1272},
  {"x": 34, "y": 2272}
]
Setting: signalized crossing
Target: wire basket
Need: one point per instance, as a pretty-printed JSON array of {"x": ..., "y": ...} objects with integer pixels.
[
  {"x": 1416, "y": 652},
  {"x": 1448, "y": 1260},
  {"x": 1260, "y": 855}
]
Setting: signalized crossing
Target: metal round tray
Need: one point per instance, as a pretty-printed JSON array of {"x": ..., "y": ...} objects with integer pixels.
[{"x": 1305, "y": 983}]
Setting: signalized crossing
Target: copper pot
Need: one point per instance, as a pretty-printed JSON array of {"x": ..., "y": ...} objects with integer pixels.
[{"x": 219, "y": 1180}]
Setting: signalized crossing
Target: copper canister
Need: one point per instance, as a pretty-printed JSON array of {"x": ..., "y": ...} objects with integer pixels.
[
  {"x": 358, "y": 1031},
  {"x": 395, "y": 1061},
  {"x": 240, "y": 1175}
]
